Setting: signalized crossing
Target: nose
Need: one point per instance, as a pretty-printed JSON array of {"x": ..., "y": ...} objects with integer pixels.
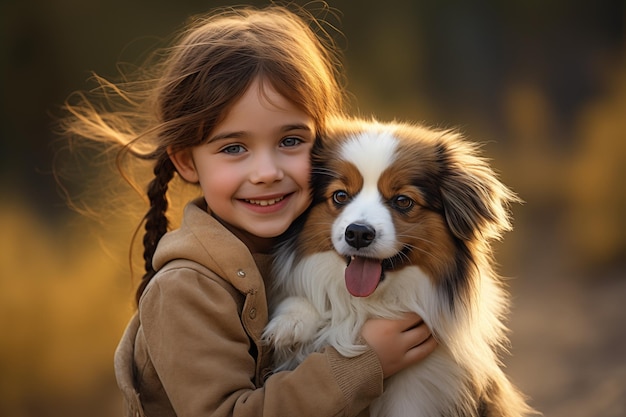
[
  {"x": 266, "y": 168},
  {"x": 359, "y": 235}
]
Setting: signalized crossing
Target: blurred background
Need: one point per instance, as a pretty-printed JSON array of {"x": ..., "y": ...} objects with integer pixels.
[{"x": 541, "y": 83}]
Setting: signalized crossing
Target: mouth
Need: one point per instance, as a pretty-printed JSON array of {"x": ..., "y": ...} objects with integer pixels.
[
  {"x": 264, "y": 203},
  {"x": 363, "y": 275}
]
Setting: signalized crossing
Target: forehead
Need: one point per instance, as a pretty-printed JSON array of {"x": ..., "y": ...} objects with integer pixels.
[
  {"x": 384, "y": 159},
  {"x": 262, "y": 109},
  {"x": 370, "y": 152}
]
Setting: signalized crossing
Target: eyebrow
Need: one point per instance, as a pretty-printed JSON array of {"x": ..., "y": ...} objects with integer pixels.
[{"x": 239, "y": 134}]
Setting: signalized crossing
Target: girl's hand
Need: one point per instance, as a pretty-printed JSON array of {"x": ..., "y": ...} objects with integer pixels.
[{"x": 399, "y": 343}]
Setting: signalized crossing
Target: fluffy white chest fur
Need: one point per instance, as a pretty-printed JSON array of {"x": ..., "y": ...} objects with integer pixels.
[{"x": 401, "y": 221}]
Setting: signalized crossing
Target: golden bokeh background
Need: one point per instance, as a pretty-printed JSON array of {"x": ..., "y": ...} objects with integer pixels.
[{"x": 541, "y": 84}]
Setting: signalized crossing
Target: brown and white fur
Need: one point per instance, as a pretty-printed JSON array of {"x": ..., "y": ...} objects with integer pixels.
[{"x": 419, "y": 208}]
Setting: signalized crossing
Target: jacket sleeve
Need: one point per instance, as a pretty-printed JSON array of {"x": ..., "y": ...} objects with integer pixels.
[{"x": 200, "y": 350}]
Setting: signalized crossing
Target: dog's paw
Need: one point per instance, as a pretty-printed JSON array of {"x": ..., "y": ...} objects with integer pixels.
[{"x": 295, "y": 323}]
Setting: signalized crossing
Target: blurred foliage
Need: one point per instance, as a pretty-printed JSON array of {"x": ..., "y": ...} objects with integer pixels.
[
  {"x": 542, "y": 84},
  {"x": 63, "y": 304}
]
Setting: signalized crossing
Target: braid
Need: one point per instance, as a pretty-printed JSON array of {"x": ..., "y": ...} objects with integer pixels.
[{"x": 156, "y": 219}]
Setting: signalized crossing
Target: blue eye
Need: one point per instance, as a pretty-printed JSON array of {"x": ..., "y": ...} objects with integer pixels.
[
  {"x": 290, "y": 141},
  {"x": 233, "y": 149}
]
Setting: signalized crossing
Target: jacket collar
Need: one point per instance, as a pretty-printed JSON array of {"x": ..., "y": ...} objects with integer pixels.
[{"x": 204, "y": 240}]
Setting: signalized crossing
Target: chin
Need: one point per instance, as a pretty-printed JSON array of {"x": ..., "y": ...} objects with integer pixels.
[{"x": 403, "y": 218}]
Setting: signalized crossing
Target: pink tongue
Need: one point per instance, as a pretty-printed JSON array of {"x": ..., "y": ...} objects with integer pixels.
[{"x": 362, "y": 276}]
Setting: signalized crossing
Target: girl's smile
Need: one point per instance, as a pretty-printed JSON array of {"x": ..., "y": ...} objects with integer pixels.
[{"x": 266, "y": 202}]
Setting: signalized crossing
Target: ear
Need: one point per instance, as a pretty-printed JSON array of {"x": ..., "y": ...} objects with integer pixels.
[
  {"x": 475, "y": 202},
  {"x": 183, "y": 161}
]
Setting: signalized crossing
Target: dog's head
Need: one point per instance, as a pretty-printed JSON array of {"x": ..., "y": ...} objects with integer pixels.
[{"x": 392, "y": 195}]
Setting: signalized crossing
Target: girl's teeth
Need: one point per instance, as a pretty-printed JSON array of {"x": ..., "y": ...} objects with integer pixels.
[{"x": 265, "y": 202}]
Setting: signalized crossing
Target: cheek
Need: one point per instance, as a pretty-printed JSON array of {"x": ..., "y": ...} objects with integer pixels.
[
  {"x": 219, "y": 181},
  {"x": 300, "y": 171},
  {"x": 433, "y": 245},
  {"x": 316, "y": 236}
]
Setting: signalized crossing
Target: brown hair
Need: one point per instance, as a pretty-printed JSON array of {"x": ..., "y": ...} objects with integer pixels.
[{"x": 210, "y": 66}]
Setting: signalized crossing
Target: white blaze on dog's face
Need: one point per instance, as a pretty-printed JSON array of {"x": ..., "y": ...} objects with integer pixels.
[
  {"x": 371, "y": 155},
  {"x": 364, "y": 230}
]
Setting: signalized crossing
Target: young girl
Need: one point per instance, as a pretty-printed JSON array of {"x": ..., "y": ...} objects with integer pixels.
[{"x": 240, "y": 100}]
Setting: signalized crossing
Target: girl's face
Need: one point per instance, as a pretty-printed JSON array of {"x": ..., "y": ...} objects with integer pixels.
[{"x": 254, "y": 169}]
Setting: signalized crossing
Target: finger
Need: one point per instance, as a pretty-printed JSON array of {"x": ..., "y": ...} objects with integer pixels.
[
  {"x": 421, "y": 351},
  {"x": 414, "y": 325},
  {"x": 418, "y": 339},
  {"x": 416, "y": 335},
  {"x": 409, "y": 321}
]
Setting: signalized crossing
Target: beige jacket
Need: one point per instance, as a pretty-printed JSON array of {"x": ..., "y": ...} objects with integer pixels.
[{"x": 194, "y": 347}]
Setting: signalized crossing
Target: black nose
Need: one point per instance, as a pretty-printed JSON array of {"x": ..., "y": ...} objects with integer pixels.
[{"x": 359, "y": 235}]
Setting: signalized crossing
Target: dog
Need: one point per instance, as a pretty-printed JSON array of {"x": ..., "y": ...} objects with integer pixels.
[{"x": 402, "y": 219}]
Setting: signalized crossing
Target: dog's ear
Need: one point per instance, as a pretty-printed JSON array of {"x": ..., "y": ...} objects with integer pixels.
[{"x": 475, "y": 202}]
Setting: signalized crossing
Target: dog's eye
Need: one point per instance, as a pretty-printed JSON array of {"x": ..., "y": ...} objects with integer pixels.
[
  {"x": 341, "y": 197},
  {"x": 402, "y": 203}
]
